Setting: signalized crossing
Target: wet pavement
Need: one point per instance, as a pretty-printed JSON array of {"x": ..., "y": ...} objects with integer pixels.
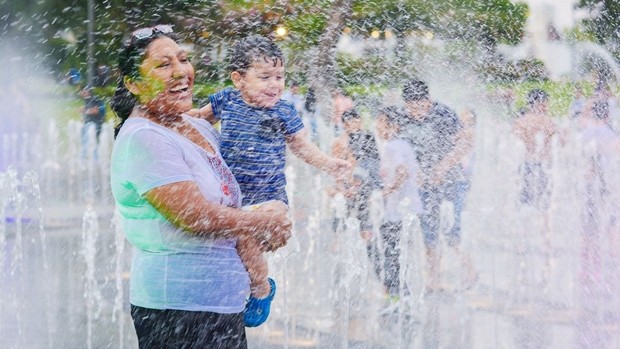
[{"x": 64, "y": 283}]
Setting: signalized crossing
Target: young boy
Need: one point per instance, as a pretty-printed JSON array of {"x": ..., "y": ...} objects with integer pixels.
[
  {"x": 359, "y": 147},
  {"x": 399, "y": 170},
  {"x": 256, "y": 127}
]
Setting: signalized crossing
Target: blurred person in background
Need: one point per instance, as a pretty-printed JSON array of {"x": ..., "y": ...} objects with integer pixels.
[{"x": 440, "y": 142}]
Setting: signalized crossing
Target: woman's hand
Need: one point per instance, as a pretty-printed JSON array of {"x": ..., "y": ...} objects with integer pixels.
[{"x": 278, "y": 228}]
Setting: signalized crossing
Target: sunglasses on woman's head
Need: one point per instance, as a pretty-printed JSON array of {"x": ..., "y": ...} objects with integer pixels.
[{"x": 145, "y": 33}]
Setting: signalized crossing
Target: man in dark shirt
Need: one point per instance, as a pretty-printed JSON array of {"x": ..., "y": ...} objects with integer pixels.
[
  {"x": 93, "y": 115},
  {"x": 437, "y": 136}
]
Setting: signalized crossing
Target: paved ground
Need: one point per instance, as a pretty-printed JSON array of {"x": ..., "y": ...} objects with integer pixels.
[{"x": 63, "y": 284}]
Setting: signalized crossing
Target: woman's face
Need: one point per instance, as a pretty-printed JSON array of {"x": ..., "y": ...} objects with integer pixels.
[{"x": 167, "y": 79}]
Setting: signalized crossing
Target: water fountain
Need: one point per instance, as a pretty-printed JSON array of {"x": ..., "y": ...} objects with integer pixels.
[
  {"x": 60, "y": 268},
  {"x": 64, "y": 261},
  {"x": 546, "y": 39}
]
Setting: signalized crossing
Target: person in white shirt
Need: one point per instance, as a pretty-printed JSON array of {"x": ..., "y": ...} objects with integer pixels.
[{"x": 399, "y": 171}]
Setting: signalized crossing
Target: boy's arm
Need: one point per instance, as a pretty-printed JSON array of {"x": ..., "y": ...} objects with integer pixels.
[
  {"x": 345, "y": 183},
  {"x": 402, "y": 174},
  {"x": 312, "y": 155},
  {"x": 462, "y": 146},
  {"x": 205, "y": 112}
]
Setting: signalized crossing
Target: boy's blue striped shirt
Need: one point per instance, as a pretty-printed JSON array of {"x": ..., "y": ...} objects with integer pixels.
[{"x": 253, "y": 143}]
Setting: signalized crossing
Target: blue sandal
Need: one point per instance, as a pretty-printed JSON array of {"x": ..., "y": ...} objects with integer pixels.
[{"x": 257, "y": 310}]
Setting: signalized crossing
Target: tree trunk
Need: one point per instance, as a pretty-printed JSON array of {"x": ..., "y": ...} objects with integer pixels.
[{"x": 322, "y": 70}]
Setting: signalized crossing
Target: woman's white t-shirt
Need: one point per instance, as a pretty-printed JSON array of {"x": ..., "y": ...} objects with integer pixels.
[{"x": 172, "y": 268}]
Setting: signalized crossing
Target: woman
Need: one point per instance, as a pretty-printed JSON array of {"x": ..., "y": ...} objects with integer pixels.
[{"x": 179, "y": 204}]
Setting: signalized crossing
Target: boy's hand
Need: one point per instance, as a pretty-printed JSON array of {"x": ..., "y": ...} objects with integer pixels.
[
  {"x": 280, "y": 226},
  {"x": 205, "y": 112},
  {"x": 194, "y": 112},
  {"x": 437, "y": 174},
  {"x": 387, "y": 190},
  {"x": 366, "y": 235},
  {"x": 340, "y": 169}
]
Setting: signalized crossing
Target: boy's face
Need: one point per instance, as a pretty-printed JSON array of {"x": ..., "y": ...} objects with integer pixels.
[
  {"x": 352, "y": 125},
  {"x": 262, "y": 84},
  {"x": 540, "y": 107},
  {"x": 85, "y": 93},
  {"x": 383, "y": 127},
  {"x": 419, "y": 109}
]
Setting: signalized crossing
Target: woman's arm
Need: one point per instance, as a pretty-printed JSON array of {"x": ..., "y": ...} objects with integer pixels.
[
  {"x": 183, "y": 204},
  {"x": 205, "y": 112}
]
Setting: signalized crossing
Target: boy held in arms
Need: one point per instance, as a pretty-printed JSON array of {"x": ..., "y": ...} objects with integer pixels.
[{"x": 256, "y": 127}]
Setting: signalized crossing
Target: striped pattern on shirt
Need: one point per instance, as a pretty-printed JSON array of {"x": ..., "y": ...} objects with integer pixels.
[{"x": 253, "y": 144}]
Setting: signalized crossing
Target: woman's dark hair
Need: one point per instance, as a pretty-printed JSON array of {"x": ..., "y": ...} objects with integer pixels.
[
  {"x": 251, "y": 48},
  {"x": 129, "y": 59}
]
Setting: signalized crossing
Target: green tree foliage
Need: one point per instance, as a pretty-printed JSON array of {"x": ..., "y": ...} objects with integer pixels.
[
  {"x": 605, "y": 22},
  {"x": 491, "y": 20},
  {"x": 57, "y": 28},
  {"x": 305, "y": 20}
]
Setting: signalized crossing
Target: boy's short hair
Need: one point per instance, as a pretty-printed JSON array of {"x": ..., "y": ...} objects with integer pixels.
[
  {"x": 249, "y": 49},
  {"x": 600, "y": 110},
  {"x": 394, "y": 115},
  {"x": 415, "y": 90},
  {"x": 339, "y": 91},
  {"x": 350, "y": 114},
  {"x": 537, "y": 95}
]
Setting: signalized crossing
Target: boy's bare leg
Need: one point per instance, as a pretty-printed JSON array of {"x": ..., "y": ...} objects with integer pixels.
[
  {"x": 433, "y": 260},
  {"x": 470, "y": 275},
  {"x": 257, "y": 267}
]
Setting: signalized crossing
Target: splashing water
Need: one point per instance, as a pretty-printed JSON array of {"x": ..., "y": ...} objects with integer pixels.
[{"x": 544, "y": 279}]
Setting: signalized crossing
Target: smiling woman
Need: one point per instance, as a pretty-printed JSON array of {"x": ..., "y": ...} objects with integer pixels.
[
  {"x": 168, "y": 79},
  {"x": 157, "y": 74},
  {"x": 178, "y": 203}
]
